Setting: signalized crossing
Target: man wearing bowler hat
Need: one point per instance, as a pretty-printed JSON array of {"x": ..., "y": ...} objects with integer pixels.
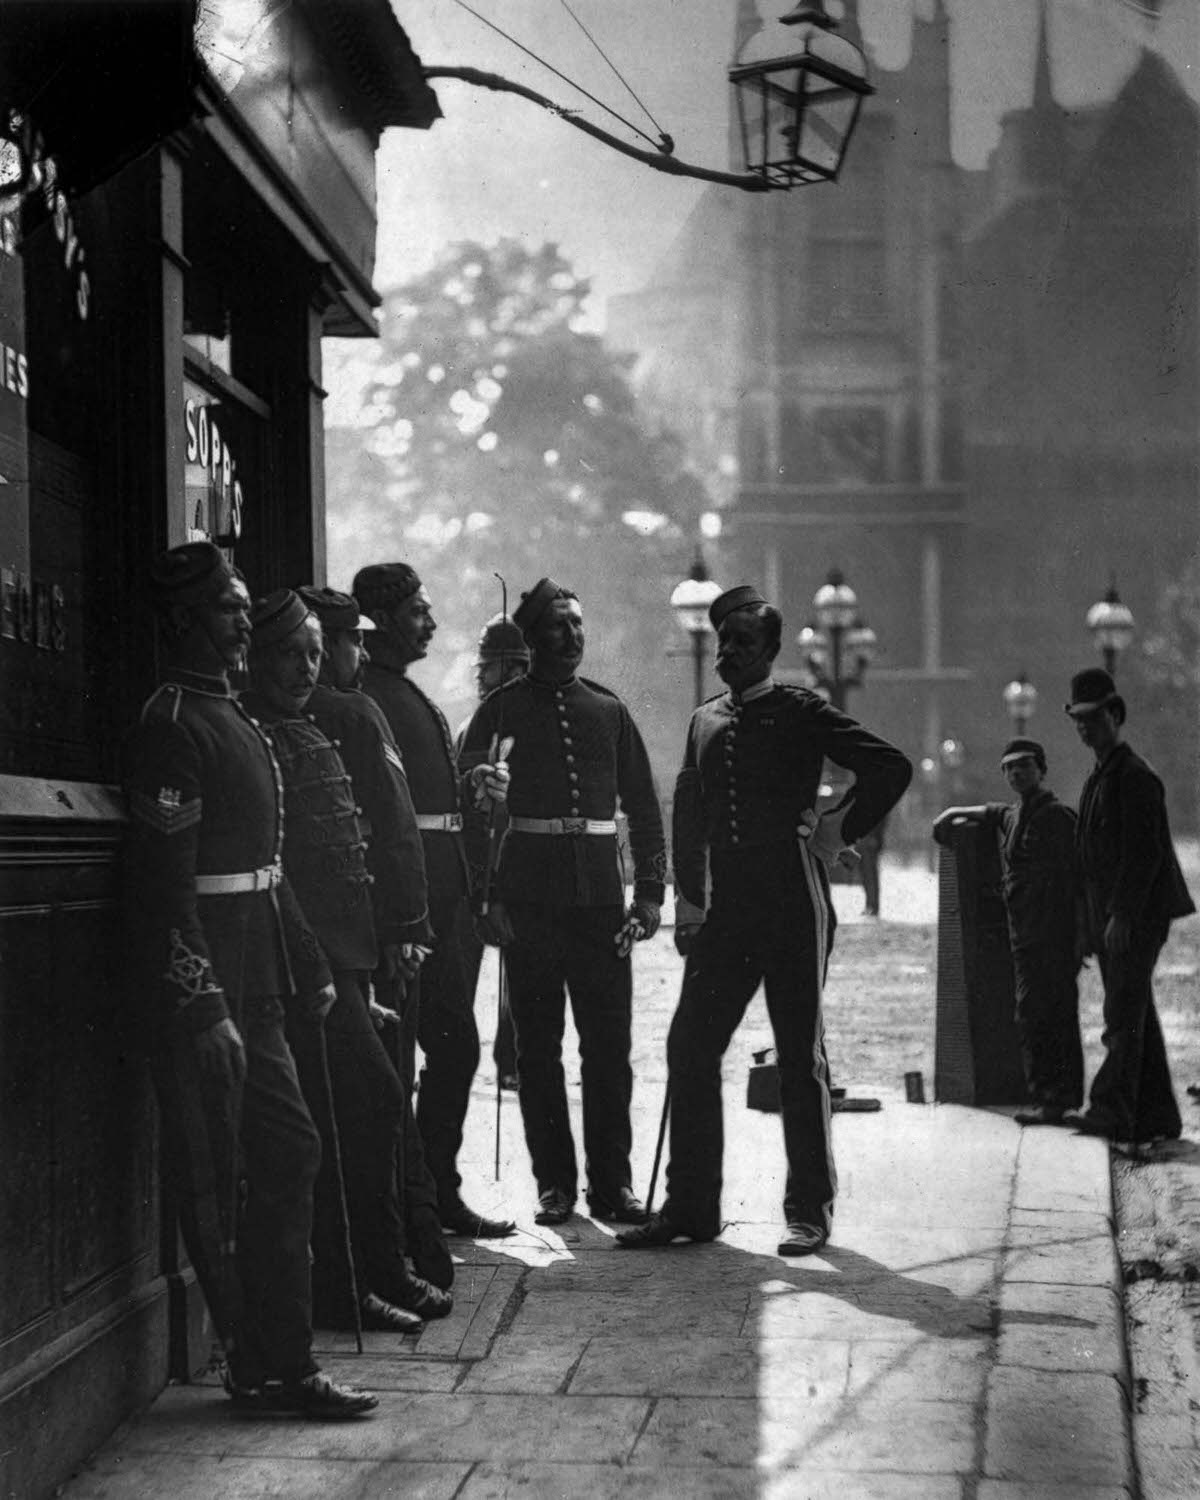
[
  {"x": 749, "y": 848},
  {"x": 1133, "y": 891},
  {"x": 559, "y": 911},
  {"x": 441, "y": 1015},
  {"x": 220, "y": 949},
  {"x": 1043, "y": 903}
]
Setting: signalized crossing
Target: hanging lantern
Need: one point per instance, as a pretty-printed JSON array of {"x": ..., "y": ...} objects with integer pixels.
[{"x": 799, "y": 90}]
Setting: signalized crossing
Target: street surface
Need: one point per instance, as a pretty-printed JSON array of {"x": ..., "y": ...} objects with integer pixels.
[{"x": 962, "y": 1337}]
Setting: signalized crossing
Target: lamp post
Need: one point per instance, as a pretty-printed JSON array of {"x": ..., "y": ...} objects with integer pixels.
[
  {"x": 690, "y": 601},
  {"x": 1020, "y": 699},
  {"x": 840, "y": 646},
  {"x": 1111, "y": 624},
  {"x": 799, "y": 89}
]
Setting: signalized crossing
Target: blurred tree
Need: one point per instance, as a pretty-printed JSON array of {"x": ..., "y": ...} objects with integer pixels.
[{"x": 494, "y": 435}]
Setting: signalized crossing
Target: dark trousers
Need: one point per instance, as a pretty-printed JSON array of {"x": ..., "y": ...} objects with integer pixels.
[
  {"x": 558, "y": 950},
  {"x": 370, "y": 1109},
  {"x": 241, "y": 1165},
  {"x": 439, "y": 1013},
  {"x": 1132, "y": 1088},
  {"x": 1047, "y": 1015},
  {"x": 780, "y": 940},
  {"x": 504, "y": 1044}
]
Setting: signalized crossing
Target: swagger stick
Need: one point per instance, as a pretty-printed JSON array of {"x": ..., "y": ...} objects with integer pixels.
[
  {"x": 658, "y": 1150},
  {"x": 340, "y": 1180}
]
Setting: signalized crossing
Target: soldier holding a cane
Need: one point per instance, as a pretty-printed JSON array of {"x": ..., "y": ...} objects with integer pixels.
[
  {"x": 560, "y": 902},
  {"x": 220, "y": 949}
]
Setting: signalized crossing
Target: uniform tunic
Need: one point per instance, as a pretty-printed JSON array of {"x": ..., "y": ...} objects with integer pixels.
[
  {"x": 1041, "y": 900},
  {"x": 1130, "y": 870},
  {"x": 204, "y": 799},
  {"x": 576, "y": 755},
  {"x": 439, "y": 1008},
  {"x": 752, "y": 767}
]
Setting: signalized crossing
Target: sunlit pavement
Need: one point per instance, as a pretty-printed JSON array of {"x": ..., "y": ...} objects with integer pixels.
[{"x": 960, "y": 1337}]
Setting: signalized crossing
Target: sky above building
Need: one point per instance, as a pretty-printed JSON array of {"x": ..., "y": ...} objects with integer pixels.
[{"x": 497, "y": 165}]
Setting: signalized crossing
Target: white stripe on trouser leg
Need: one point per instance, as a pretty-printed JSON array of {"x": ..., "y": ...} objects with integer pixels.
[{"x": 820, "y": 904}]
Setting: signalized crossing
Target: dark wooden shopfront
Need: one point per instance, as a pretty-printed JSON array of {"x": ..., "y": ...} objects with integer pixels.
[{"x": 168, "y": 268}]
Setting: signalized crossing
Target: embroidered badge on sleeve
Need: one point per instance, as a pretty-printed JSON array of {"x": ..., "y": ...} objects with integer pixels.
[
  {"x": 188, "y": 971},
  {"x": 166, "y": 813}
]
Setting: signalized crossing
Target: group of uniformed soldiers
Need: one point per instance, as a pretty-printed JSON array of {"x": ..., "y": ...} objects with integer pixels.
[{"x": 311, "y": 869}]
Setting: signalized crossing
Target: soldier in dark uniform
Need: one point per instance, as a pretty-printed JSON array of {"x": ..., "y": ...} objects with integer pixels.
[
  {"x": 744, "y": 821},
  {"x": 1133, "y": 890},
  {"x": 441, "y": 1016},
  {"x": 221, "y": 948},
  {"x": 1042, "y": 900},
  {"x": 560, "y": 908},
  {"x": 354, "y": 1093},
  {"x": 355, "y": 725}
]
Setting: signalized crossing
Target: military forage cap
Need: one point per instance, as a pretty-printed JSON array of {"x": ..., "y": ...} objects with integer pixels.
[
  {"x": 190, "y": 573},
  {"x": 277, "y": 616},
  {"x": 335, "y": 610},
  {"x": 535, "y": 603},
  {"x": 501, "y": 637},
  {"x": 381, "y": 586},
  {"x": 1019, "y": 749},
  {"x": 741, "y": 596},
  {"x": 1091, "y": 689}
]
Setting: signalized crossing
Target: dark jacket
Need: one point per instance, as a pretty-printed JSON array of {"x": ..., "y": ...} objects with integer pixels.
[
  {"x": 1041, "y": 871},
  {"x": 1126, "y": 855},
  {"x": 203, "y": 789},
  {"x": 359, "y": 732},
  {"x": 423, "y": 737},
  {"x": 323, "y": 846},
  {"x": 576, "y": 753},
  {"x": 750, "y": 770}
]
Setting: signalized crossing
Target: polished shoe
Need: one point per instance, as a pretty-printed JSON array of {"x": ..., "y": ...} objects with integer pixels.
[
  {"x": 629, "y": 1208},
  {"x": 554, "y": 1207},
  {"x": 458, "y": 1219},
  {"x": 416, "y": 1295},
  {"x": 803, "y": 1239},
  {"x": 429, "y": 1251},
  {"x": 657, "y": 1232},
  {"x": 1087, "y": 1123},
  {"x": 378, "y": 1316},
  {"x": 315, "y": 1396},
  {"x": 1040, "y": 1114}
]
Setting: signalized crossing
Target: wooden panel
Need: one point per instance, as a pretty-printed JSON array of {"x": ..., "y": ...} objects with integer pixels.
[{"x": 26, "y": 1121}]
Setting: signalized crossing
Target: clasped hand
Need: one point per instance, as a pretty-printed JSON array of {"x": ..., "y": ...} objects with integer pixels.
[
  {"x": 641, "y": 922},
  {"x": 489, "y": 784}
]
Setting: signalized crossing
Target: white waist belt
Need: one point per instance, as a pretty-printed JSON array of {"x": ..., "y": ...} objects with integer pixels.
[
  {"x": 440, "y": 822},
  {"x": 236, "y": 885},
  {"x": 563, "y": 825}
]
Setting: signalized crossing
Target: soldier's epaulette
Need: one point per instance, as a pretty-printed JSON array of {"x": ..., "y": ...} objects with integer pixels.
[
  {"x": 163, "y": 702},
  {"x": 596, "y": 687},
  {"x": 506, "y": 687}
]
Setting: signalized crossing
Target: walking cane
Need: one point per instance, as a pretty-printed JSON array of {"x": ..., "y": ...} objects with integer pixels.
[
  {"x": 340, "y": 1180},
  {"x": 658, "y": 1150},
  {"x": 500, "y": 998}
]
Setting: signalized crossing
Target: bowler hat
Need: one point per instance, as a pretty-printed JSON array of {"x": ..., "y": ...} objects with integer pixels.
[
  {"x": 335, "y": 610},
  {"x": 741, "y": 596},
  {"x": 381, "y": 586},
  {"x": 1020, "y": 749},
  {"x": 189, "y": 573},
  {"x": 535, "y": 603},
  {"x": 1091, "y": 689},
  {"x": 277, "y": 615}
]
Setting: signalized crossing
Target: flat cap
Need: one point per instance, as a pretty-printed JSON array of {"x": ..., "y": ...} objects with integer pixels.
[
  {"x": 335, "y": 610},
  {"x": 381, "y": 586},
  {"x": 189, "y": 573},
  {"x": 277, "y": 615},
  {"x": 1091, "y": 689},
  {"x": 534, "y": 604},
  {"x": 741, "y": 596},
  {"x": 1019, "y": 749},
  {"x": 502, "y": 637}
]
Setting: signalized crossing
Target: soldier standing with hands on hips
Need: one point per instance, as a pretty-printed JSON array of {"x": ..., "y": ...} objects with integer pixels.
[
  {"x": 442, "y": 1015},
  {"x": 743, "y": 822},
  {"x": 220, "y": 950},
  {"x": 560, "y": 910}
]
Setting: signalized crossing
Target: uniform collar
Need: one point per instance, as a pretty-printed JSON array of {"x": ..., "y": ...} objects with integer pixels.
[
  {"x": 546, "y": 684},
  {"x": 757, "y": 690},
  {"x": 199, "y": 682}
]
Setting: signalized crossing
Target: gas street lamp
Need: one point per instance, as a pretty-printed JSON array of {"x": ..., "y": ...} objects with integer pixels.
[
  {"x": 1111, "y": 624},
  {"x": 690, "y": 601},
  {"x": 1020, "y": 699},
  {"x": 839, "y": 646}
]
